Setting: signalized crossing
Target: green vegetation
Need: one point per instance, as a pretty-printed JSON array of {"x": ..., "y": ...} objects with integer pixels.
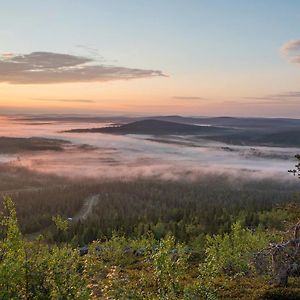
[
  {"x": 141, "y": 268},
  {"x": 187, "y": 210},
  {"x": 147, "y": 239}
]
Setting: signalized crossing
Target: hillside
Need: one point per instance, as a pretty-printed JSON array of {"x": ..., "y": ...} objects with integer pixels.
[
  {"x": 218, "y": 266},
  {"x": 156, "y": 127},
  {"x": 235, "y": 122},
  {"x": 235, "y": 131}
]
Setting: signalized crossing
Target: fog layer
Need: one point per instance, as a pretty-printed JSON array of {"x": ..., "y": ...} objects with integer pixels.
[{"x": 131, "y": 156}]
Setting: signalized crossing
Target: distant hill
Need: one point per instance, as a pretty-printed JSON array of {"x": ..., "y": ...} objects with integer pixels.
[
  {"x": 235, "y": 122},
  {"x": 156, "y": 127},
  {"x": 223, "y": 121},
  {"x": 16, "y": 145},
  {"x": 235, "y": 131},
  {"x": 283, "y": 138}
]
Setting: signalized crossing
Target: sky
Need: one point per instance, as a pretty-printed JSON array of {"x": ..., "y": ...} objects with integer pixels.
[{"x": 191, "y": 57}]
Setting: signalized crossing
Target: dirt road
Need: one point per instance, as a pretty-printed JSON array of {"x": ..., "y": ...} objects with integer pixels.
[{"x": 87, "y": 208}]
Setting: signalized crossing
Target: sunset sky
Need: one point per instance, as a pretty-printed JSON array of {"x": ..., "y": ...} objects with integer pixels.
[{"x": 188, "y": 57}]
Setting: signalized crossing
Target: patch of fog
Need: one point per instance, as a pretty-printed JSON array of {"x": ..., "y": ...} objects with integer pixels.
[
  {"x": 133, "y": 156},
  {"x": 203, "y": 125},
  {"x": 210, "y": 125},
  {"x": 5, "y": 158},
  {"x": 17, "y": 128}
]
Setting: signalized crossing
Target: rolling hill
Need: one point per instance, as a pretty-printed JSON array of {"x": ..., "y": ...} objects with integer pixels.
[{"x": 156, "y": 127}]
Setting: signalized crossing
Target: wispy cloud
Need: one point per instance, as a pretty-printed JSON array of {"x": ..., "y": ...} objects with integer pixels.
[
  {"x": 292, "y": 97},
  {"x": 64, "y": 100},
  {"x": 48, "y": 67},
  {"x": 291, "y": 51},
  {"x": 189, "y": 98},
  {"x": 281, "y": 96}
]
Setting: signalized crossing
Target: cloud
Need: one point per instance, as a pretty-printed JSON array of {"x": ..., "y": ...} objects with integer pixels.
[
  {"x": 281, "y": 96},
  {"x": 291, "y": 51},
  {"x": 65, "y": 100},
  {"x": 292, "y": 97},
  {"x": 287, "y": 95},
  {"x": 188, "y": 98},
  {"x": 48, "y": 67}
]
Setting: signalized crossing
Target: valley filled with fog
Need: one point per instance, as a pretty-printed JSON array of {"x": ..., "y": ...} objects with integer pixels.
[
  {"x": 134, "y": 179},
  {"x": 73, "y": 167},
  {"x": 111, "y": 156}
]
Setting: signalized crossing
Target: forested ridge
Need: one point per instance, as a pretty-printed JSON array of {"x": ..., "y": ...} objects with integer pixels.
[{"x": 216, "y": 238}]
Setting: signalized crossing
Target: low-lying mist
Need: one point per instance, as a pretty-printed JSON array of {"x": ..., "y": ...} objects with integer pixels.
[{"x": 104, "y": 156}]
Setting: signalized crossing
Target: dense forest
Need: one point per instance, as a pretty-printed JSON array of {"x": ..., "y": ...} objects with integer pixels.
[
  {"x": 188, "y": 210},
  {"x": 213, "y": 238}
]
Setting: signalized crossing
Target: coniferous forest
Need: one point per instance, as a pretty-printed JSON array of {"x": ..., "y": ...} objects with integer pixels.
[{"x": 145, "y": 239}]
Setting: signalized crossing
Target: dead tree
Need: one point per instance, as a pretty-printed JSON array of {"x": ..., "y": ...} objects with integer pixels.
[
  {"x": 283, "y": 258},
  {"x": 296, "y": 170}
]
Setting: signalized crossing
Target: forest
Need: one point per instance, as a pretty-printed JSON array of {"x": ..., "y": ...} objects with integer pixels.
[
  {"x": 148, "y": 150},
  {"x": 214, "y": 238}
]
